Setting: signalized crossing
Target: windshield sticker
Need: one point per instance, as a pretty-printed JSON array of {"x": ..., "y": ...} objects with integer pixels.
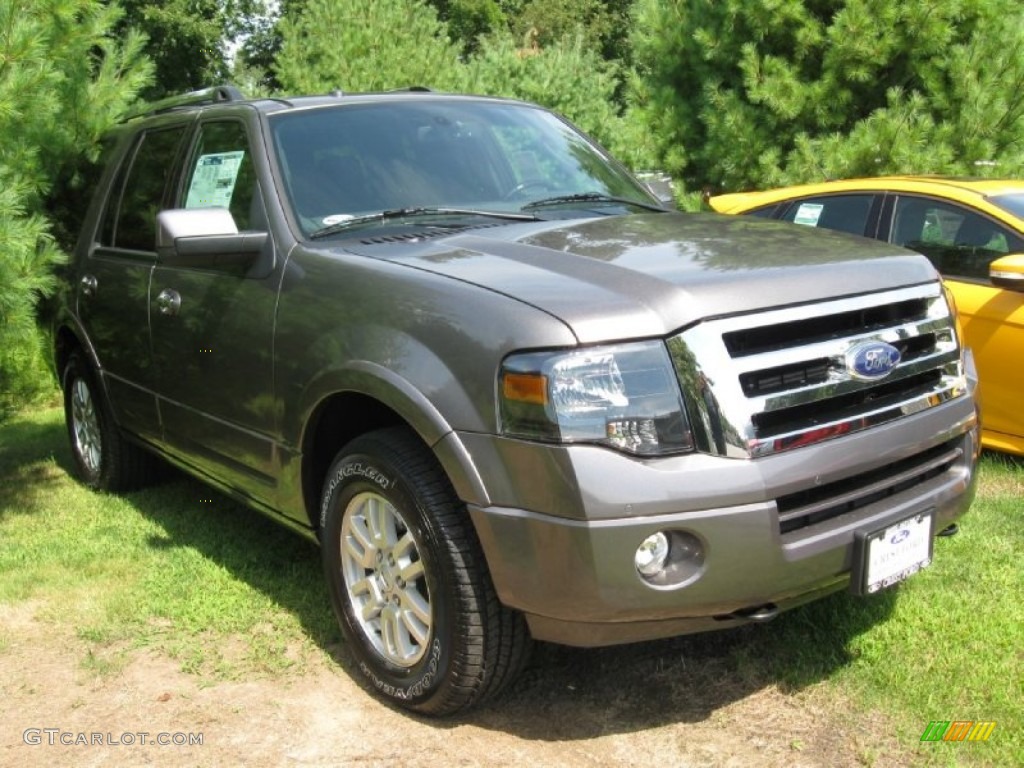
[
  {"x": 336, "y": 218},
  {"x": 213, "y": 182},
  {"x": 808, "y": 213}
]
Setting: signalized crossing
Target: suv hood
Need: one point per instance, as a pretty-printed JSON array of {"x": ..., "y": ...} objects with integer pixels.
[{"x": 646, "y": 275}]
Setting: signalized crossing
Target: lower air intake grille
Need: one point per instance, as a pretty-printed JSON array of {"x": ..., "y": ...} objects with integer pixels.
[{"x": 815, "y": 505}]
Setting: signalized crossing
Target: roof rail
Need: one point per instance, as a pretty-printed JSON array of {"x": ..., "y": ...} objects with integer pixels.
[
  {"x": 212, "y": 95},
  {"x": 413, "y": 89}
]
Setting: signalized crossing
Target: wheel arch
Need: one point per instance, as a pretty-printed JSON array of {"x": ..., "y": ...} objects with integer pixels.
[
  {"x": 68, "y": 338},
  {"x": 370, "y": 397},
  {"x": 65, "y": 342}
]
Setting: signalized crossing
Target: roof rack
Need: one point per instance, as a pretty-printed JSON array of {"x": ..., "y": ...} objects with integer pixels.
[
  {"x": 212, "y": 95},
  {"x": 339, "y": 93}
]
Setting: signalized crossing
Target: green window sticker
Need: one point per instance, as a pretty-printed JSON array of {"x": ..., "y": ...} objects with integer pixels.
[
  {"x": 809, "y": 213},
  {"x": 213, "y": 180}
]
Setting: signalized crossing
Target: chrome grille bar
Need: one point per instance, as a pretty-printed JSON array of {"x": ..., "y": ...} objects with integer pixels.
[{"x": 763, "y": 383}]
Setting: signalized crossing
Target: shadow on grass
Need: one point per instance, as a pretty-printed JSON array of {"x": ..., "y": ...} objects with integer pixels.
[
  {"x": 34, "y": 456},
  {"x": 565, "y": 694},
  {"x": 684, "y": 679},
  {"x": 1009, "y": 460},
  {"x": 612, "y": 690},
  {"x": 282, "y": 565}
]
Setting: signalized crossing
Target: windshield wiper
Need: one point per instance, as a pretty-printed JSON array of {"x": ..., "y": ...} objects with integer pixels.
[
  {"x": 408, "y": 213},
  {"x": 591, "y": 197}
]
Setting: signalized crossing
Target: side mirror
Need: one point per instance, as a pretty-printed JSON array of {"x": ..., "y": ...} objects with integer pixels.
[
  {"x": 205, "y": 238},
  {"x": 1008, "y": 272}
]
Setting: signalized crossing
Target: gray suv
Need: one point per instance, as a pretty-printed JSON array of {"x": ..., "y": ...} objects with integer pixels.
[{"x": 509, "y": 394}]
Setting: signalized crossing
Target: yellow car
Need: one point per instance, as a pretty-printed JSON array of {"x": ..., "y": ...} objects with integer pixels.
[{"x": 971, "y": 230}]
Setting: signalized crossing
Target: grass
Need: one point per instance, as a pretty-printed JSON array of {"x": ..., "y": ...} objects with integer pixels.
[
  {"x": 947, "y": 645},
  {"x": 163, "y": 567},
  {"x": 230, "y": 594}
]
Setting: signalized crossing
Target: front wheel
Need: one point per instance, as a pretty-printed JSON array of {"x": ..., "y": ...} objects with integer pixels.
[{"x": 408, "y": 581}]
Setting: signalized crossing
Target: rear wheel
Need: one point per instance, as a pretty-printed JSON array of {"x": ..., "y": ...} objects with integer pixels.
[
  {"x": 103, "y": 459},
  {"x": 408, "y": 580}
]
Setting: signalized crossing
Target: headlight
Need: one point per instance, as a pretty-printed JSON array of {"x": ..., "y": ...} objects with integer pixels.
[{"x": 624, "y": 396}]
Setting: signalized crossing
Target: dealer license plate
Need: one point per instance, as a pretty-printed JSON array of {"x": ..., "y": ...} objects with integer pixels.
[{"x": 892, "y": 554}]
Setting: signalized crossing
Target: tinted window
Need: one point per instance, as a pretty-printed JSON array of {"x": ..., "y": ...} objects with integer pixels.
[
  {"x": 109, "y": 225},
  {"x": 844, "y": 213},
  {"x": 1013, "y": 203},
  {"x": 498, "y": 157},
  {"x": 767, "y": 212},
  {"x": 221, "y": 172},
  {"x": 958, "y": 241},
  {"x": 145, "y": 188}
]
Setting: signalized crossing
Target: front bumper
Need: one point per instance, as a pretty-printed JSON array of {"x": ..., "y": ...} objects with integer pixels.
[{"x": 564, "y": 524}]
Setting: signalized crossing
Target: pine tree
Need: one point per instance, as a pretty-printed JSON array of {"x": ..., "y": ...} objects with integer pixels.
[
  {"x": 747, "y": 93},
  {"x": 367, "y": 45},
  {"x": 364, "y": 45},
  {"x": 63, "y": 79},
  {"x": 565, "y": 76}
]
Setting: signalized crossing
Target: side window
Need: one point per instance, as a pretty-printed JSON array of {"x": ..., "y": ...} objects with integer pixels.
[
  {"x": 958, "y": 241},
  {"x": 764, "y": 212},
  {"x": 134, "y": 221},
  {"x": 221, "y": 173},
  {"x": 844, "y": 213},
  {"x": 109, "y": 226}
]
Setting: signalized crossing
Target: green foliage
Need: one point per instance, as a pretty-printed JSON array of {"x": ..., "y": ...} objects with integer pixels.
[
  {"x": 402, "y": 42},
  {"x": 469, "y": 20},
  {"x": 364, "y": 45},
  {"x": 748, "y": 93},
  {"x": 567, "y": 77},
  {"x": 187, "y": 39},
  {"x": 63, "y": 79},
  {"x": 603, "y": 24},
  {"x": 253, "y": 68}
]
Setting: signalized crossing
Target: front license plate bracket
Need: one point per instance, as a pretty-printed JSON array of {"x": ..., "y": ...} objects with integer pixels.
[{"x": 889, "y": 555}]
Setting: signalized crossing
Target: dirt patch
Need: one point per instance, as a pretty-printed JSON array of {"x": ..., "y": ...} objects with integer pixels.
[{"x": 658, "y": 704}]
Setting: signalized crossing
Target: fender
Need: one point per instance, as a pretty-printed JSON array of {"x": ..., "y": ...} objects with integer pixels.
[{"x": 396, "y": 392}]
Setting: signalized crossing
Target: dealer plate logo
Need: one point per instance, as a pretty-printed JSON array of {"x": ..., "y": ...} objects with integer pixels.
[{"x": 872, "y": 360}]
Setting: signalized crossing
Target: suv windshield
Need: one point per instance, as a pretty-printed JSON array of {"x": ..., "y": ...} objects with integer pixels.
[{"x": 353, "y": 161}]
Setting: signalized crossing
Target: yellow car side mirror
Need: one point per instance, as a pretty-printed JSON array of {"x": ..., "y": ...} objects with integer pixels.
[{"x": 1008, "y": 272}]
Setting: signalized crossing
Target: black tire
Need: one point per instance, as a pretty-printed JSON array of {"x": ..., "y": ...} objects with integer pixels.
[
  {"x": 408, "y": 581},
  {"x": 103, "y": 459}
]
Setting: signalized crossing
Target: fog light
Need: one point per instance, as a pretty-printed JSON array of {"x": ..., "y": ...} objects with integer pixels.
[
  {"x": 652, "y": 554},
  {"x": 670, "y": 559}
]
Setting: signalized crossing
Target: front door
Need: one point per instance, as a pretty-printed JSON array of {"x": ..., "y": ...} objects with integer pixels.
[
  {"x": 213, "y": 328},
  {"x": 961, "y": 243}
]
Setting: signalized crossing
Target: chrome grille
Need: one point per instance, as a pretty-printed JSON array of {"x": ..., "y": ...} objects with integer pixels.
[{"x": 763, "y": 383}]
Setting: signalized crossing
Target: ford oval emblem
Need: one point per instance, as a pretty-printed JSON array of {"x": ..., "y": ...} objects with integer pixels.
[
  {"x": 899, "y": 536},
  {"x": 872, "y": 360}
]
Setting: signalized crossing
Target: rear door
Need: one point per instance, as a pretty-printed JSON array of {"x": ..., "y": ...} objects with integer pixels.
[{"x": 113, "y": 287}]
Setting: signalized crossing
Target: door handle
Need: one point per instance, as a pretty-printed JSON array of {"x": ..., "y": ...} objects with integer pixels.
[
  {"x": 88, "y": 284},
  {"x": 168, "y": 302}
]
